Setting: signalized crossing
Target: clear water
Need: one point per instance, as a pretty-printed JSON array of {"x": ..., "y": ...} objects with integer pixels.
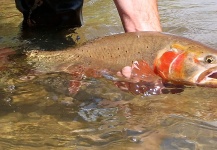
[{"x": 40, "y": 113}]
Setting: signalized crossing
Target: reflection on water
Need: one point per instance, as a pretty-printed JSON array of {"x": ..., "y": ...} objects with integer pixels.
[
  {"x": 39, "y": 112},
  {"x": 193, "y": 19},
  {"x": 192, "y": 134}
]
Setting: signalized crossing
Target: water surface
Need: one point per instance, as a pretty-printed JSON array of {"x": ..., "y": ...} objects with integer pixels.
[{"x": 40, "y": 112}]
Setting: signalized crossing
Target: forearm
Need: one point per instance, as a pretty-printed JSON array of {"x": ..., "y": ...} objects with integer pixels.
[{"x": 139, "y": 15}]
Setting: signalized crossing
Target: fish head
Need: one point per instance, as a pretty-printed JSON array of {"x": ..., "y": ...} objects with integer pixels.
[{"x": 191, "y": 64}]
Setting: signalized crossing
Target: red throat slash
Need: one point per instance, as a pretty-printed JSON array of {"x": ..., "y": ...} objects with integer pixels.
[{"x": 170, "y": 65}]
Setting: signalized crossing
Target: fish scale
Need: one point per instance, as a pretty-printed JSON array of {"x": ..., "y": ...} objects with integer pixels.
[
  {"x": 116, "y": 51},
  {"x": 112, "y": 51}
]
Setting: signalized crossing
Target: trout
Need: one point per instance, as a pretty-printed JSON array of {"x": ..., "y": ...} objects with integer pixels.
[{"x": 175, "y": 59}]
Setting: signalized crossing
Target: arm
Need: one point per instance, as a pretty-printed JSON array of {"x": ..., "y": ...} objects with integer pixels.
[{"x": 139, "y": 15}]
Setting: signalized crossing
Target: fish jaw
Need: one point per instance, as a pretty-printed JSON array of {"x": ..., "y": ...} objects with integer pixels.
[
  {"x": 189, "y": 67},
  {"x": 207, "y": 78}
]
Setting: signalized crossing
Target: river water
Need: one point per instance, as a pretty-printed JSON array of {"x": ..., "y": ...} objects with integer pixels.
[{"x": 40, "y": 113}]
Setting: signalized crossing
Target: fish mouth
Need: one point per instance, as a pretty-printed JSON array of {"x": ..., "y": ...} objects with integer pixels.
[{"x": 208, "y": 77}]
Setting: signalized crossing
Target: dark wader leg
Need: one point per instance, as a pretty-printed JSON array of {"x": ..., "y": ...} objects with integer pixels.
[{"x": 65, "y": 13}]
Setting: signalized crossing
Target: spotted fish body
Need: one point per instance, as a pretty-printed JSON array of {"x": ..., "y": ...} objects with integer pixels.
[
  {"x": 174, "y": 58},
  {"x": 113, "y": 51}
]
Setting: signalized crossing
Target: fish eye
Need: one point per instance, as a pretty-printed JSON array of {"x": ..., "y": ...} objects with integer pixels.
[{"x": 209, "y": 59}]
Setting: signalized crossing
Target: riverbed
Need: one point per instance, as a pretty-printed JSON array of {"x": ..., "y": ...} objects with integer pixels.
[{"x": 40, "y": 112}]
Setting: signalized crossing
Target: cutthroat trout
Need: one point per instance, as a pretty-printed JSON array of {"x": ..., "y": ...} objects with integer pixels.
[{"x": 175, "y": 59}]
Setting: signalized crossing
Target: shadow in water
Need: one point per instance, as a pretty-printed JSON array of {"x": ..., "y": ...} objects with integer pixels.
[{"x": 48, "y": 38}]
